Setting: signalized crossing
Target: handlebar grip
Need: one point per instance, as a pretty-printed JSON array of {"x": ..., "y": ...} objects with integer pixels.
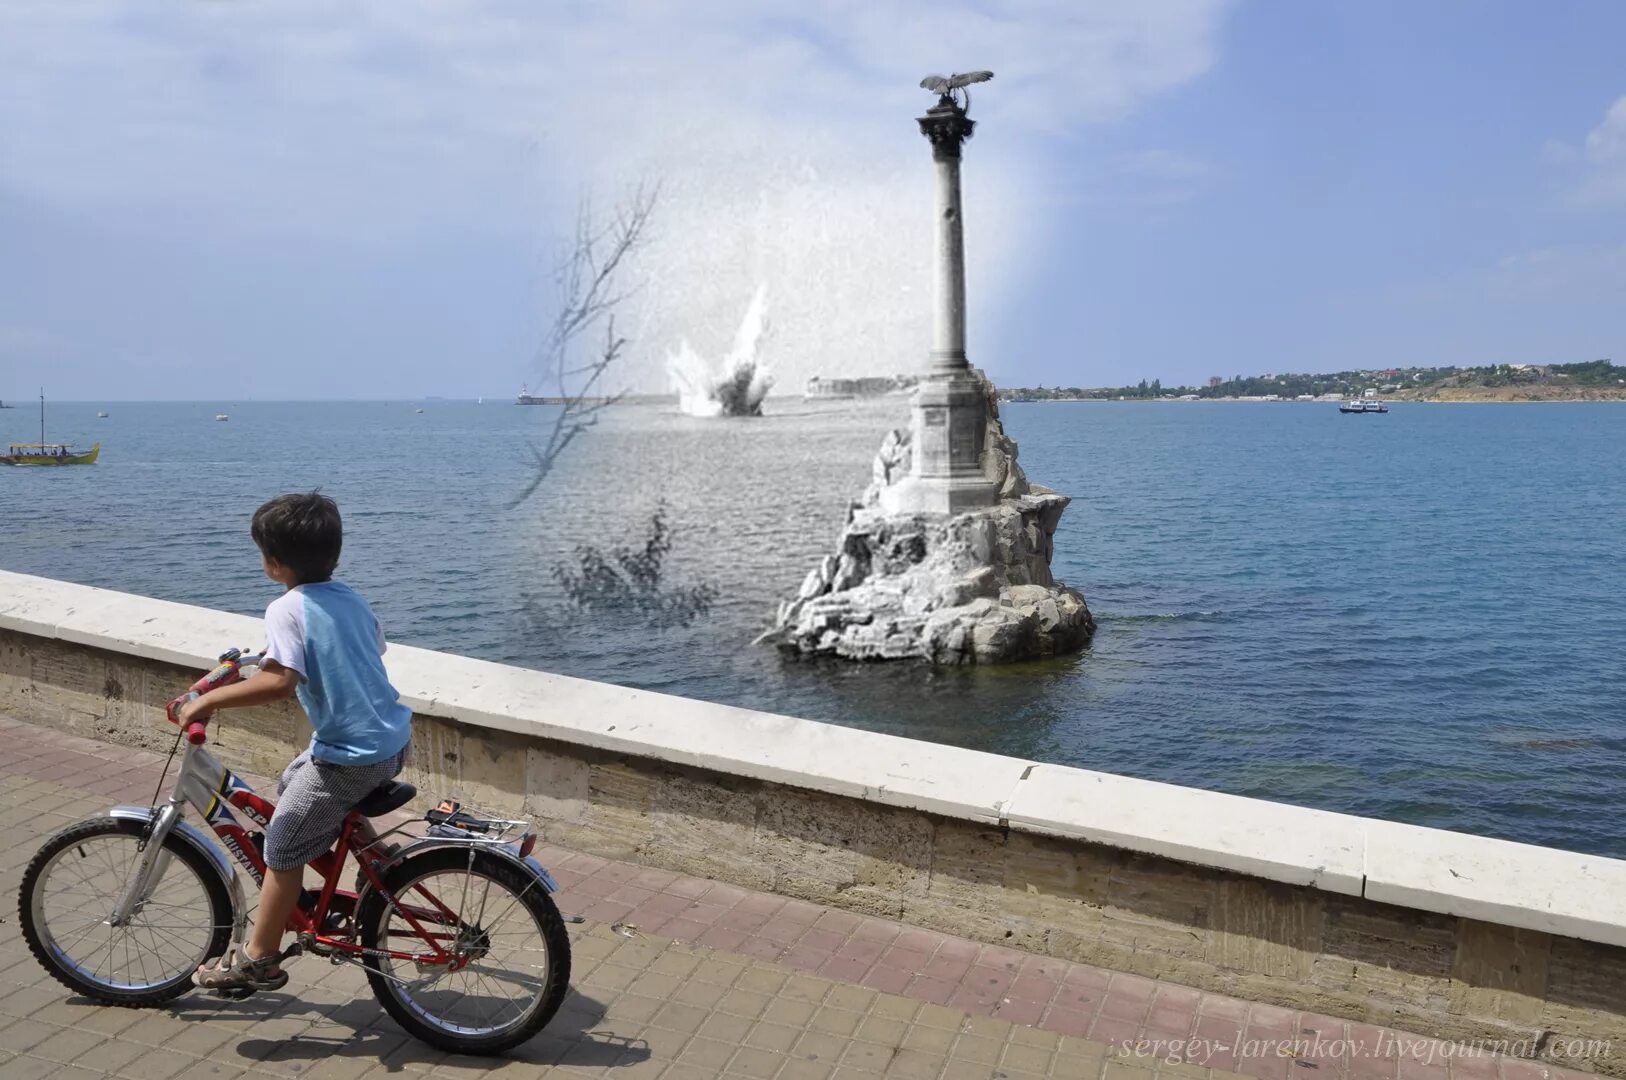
[
  {"x": 173, "y": 709},
  {"x": 195, "y": 733}
]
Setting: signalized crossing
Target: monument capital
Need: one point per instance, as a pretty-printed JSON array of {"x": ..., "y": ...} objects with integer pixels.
[{"x": 948, "y": 127}]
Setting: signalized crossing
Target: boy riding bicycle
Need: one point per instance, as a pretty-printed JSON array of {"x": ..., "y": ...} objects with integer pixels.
[{"x": 323, "y": 644}]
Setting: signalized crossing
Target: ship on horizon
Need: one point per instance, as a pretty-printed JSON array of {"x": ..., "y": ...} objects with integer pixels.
[
  {"x": 820, "y": 388},
  {"x": 528, "y": 398}
]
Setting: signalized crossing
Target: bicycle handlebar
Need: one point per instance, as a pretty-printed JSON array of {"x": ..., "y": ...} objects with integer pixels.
[{"x": 228, "y": 671}]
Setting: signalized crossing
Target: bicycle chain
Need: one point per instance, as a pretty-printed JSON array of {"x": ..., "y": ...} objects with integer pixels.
[{"x": 349, "y": 955}]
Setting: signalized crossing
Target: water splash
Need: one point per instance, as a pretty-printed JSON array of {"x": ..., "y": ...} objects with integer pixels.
[{"x": 737, "y": 385}]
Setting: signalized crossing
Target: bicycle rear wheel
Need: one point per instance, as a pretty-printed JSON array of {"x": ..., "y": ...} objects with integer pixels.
[
  {"x": 68, "y": 893},
  {"x": 505, "y": 931}
]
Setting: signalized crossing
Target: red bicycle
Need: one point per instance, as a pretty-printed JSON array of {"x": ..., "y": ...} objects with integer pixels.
[{"x": 456, "y": 929}]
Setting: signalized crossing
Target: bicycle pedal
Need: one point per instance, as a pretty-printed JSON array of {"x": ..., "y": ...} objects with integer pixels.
[{"x": 236, "y": 993}]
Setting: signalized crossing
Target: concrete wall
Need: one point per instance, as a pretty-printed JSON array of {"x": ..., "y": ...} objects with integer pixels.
[{"x": 1446, "y": 934}]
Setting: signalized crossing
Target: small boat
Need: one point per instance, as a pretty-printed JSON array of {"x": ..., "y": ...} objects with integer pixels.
[
  {"x": 221, "y": 416},
  {"x": 101, "y": 416},
  {"x": 418, "y": 410},
  {"x": 49, "y": 454},
  {"x": 1362, "y": 405},
  {"x": 44, "y": 453}
]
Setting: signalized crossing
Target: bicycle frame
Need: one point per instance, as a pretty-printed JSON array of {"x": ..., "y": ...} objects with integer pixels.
[{"x": 215, "y": 792}]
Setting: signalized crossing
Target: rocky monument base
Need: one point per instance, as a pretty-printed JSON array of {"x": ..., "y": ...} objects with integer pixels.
[{"x": 974, "y": 588}]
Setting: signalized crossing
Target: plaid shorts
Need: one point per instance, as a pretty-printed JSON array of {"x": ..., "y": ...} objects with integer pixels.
[{"x": 313, "y": 798}]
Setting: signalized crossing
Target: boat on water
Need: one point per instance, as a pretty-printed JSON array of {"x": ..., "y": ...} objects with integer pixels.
[
  {"x": 44, "y": 453},
  {"x": 1363, "y": 405},
  {"x": 820, "y": 388},
  {"x": 221, "y": 416},
  {"x": 528, "y": 398},
  {"x": 49, "y": 454},
  {"x": 101, "y": 416}
]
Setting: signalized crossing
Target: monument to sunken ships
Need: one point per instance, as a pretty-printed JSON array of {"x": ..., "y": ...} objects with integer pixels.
[{"x": 947, "y": 555}]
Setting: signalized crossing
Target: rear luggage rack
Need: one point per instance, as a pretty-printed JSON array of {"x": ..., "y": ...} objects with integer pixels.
[{"x": 449, "y": 819}]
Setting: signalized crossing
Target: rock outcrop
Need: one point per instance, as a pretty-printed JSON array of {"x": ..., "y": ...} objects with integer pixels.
[{"x": 973, "y": 588}]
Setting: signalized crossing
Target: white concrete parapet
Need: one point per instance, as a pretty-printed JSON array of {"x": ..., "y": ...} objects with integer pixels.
[
  {"x": 1268, "y": 840},
  {"x": 1516, "y": 885}
]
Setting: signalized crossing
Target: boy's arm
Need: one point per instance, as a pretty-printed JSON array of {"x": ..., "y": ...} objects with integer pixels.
[{"x": 272, "y": 682}]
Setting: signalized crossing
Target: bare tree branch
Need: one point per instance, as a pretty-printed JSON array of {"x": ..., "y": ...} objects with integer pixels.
[{"x": 589, "y": 293}]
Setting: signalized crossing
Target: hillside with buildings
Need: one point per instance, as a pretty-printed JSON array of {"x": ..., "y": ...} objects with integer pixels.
[{"x": 1598, "y": 380}]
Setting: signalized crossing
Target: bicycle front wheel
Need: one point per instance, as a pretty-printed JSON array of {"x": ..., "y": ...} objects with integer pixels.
[
  {"x": 66, "y": 903},
  {"x": 512, "y": 955}
]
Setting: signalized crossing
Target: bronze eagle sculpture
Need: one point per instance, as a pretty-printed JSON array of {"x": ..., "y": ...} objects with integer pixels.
[{"x": 954, "y": 87}]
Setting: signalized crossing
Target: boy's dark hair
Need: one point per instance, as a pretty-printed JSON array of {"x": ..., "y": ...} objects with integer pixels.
[{"x": 302, "y": 532}]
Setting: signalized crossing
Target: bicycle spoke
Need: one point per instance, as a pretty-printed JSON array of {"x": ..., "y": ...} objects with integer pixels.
[
  {"x": 507, "y": 973},
  {"x": 170, "y": 937}
]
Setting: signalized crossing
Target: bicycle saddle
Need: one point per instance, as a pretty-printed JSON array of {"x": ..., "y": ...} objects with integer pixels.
[{"x": 390, "y": 795}]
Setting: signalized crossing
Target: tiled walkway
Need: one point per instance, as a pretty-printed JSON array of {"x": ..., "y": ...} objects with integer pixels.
[{"x": 678, "y": 978}]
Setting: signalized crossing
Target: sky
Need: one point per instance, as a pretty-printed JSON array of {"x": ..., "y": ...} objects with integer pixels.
[{"x": 231, "y": 200}]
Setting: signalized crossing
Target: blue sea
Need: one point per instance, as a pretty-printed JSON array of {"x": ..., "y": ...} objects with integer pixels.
[{"x": 1417, "y": 616}]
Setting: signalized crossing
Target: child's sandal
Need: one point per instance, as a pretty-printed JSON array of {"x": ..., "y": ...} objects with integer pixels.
[{"x": 238, "y": 971}]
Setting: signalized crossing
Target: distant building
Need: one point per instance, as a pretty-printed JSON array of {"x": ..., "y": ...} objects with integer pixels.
[{"x": 1214, "y": 380}]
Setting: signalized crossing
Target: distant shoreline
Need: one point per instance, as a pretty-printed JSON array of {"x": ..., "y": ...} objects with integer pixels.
[{"x": 1397, "y": 400}]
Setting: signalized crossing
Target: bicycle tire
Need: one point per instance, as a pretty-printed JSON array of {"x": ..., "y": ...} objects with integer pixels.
[
  {"x": 374, "y": 916},
  {"x": 219, "y": 899}
]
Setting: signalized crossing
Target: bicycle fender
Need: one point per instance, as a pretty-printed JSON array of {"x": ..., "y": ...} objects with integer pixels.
[
  {"x": 190, "y": 834},
  {"x": 429, "y": 843}
]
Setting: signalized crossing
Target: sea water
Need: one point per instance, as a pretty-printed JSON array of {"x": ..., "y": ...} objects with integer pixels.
[{"x": 1416, "y": 615}]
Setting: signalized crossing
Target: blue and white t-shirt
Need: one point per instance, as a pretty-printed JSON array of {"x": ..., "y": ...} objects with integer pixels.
[{"x": 326, "y": 632}]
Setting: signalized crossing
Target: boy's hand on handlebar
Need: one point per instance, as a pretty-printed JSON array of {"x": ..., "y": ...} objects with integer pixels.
[{"x": 193, "y": 710}]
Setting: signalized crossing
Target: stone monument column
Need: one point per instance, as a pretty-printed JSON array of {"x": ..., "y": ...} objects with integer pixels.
[
  {"x": 948, "y": 128},
  {"x": 946, "y": 557},
  {"x": 949, "y": 409}
]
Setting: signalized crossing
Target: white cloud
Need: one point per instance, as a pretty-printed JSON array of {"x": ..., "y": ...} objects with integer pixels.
[
  {"x": 1606, "y": 143},
  {"x": 1603, "y": 178},
  {"x": 782, "y": 133}
]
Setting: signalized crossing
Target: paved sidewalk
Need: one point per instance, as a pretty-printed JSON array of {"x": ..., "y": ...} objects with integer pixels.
[{"x": 678, "y": 978}]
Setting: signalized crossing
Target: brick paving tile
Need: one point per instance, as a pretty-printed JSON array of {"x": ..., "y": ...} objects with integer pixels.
[{"x": 717, "y": 981}]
